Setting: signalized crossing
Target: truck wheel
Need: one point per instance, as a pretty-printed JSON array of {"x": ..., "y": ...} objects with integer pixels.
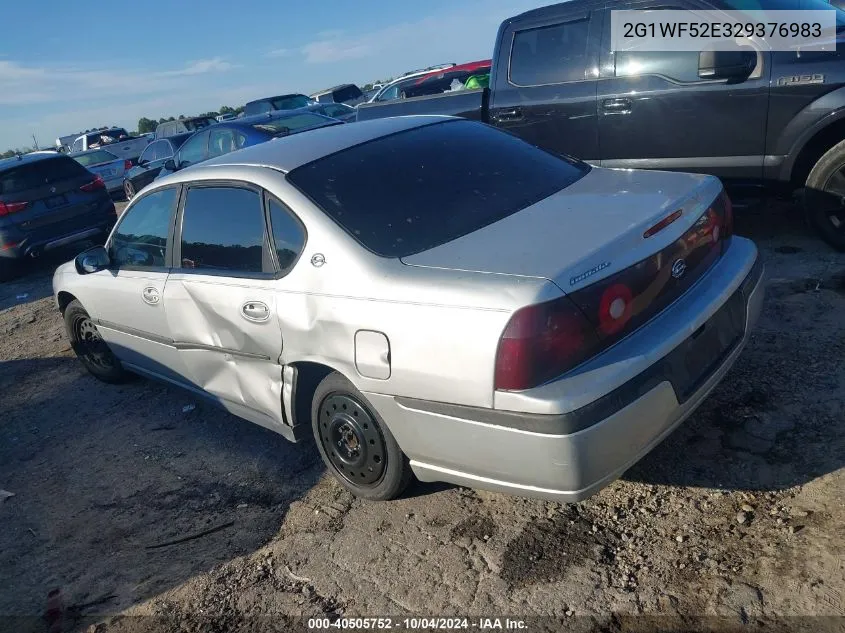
[
  {"x": 90, "y": 347},
  {"x": 354, "y": 442},
  {"x": 824, "y": 196}
]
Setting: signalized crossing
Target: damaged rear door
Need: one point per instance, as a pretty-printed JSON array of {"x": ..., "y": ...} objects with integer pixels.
[{"x": 220, "y": 303}]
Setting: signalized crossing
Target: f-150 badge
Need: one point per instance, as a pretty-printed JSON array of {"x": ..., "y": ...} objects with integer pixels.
[{"x": 801, "y": 80}]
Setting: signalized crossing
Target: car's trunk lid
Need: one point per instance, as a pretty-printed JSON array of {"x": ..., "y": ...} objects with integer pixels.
[{"x": 586, "y": 232}]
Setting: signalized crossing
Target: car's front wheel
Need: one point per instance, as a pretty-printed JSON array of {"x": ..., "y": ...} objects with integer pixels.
[
  {"x": 128, "y": 189},
  {"x": 90, "y": 347},
  {"x": 824, "y": 196},
  {"x": 355, "y": 443}
]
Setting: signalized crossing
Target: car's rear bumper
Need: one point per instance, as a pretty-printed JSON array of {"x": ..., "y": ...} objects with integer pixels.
[
  {"x": 570, "y": 456},
  {"x": 16, "y": 243}
]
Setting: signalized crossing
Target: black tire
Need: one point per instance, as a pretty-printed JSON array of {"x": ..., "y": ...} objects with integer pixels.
[
  {"x": 89, "y": 346},
  {"x": 128, "y": 189},
  {"x": 824, "y": 197},
  {"x": 355, "y": 443}
]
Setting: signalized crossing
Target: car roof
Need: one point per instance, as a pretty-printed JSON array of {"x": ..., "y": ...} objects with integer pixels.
[
  {"x": 328, "y": 90},
  {"x": 25, "y": 159},
  {"x": 285, "y": 96},
  {"x": 289, "y": 152}
]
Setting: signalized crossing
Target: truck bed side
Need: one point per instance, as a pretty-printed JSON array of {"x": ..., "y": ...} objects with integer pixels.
[{"x": 469, "y": 104}]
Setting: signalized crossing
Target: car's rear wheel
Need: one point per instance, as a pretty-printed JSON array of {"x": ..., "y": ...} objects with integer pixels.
[
  {"x": 90, "y": 347},
  {"x": 355, "y": 443},
  {"x": 824, "y": 196},
  {"x": 128, "y": 189}
]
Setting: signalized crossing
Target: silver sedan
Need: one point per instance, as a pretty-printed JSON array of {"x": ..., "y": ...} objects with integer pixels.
[{"x": 428, "y": 297}]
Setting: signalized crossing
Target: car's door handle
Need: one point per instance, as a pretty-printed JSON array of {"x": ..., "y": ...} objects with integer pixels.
[
  {"x": 511, "y": 114},
  {"x": 255, "y": 311},
  {"x": 150, "y": 295},
  {"x": 616, "y": 106}
]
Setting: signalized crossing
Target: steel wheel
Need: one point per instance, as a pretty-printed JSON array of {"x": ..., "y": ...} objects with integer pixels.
[
  {"x": 128, "y": 189},
  {"x": 90, "y": 346},
  {"x": 352, "y": 441}
]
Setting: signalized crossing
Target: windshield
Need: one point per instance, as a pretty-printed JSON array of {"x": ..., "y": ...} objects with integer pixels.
[
  {"x": 434, "y": 184},
  {"x": 784, "y": 5},
  {"x": 347, "y": 93},
  {"x": 292, "y": 124},
  {"x": 197, "y": 124},
  {"x": 291, "y": 102},
  {"x": 95, "y": 158}
]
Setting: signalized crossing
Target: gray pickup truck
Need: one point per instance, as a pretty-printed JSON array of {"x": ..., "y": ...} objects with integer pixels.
[
  {"x": 759, "y": 120},
  {"x": 116, "y": 139}
]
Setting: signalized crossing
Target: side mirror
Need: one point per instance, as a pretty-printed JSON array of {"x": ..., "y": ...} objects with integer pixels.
[
  {"x": 170, "y": 165},
  {"x": 726, "y": 64},
  {"x": 93, "y": 260},
  {"x": 141, "y": 162}
]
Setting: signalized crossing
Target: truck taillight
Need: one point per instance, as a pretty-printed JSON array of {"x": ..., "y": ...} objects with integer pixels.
[
  {"x": 94, "y": 185},
  {"x": 127, "y": 165},
  {"x": 7, "y": 208}
]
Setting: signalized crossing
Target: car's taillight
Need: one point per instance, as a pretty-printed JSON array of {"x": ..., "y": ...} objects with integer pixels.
[
  {"x": 97, "y": 183},
  {"x": 127, "y": 165},
  {"x": 12, "y": 207},
  {"x": 542, "y": 341}
]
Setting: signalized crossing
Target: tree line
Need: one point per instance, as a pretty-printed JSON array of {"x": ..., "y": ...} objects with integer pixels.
[{"x": 146, "y": 125}]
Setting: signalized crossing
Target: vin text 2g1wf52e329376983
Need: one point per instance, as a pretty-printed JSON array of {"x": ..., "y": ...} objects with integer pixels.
[{"x": 774, "y": 119}]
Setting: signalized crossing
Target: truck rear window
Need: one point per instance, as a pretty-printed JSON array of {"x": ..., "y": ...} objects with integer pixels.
[
  {"x": 411, "y": 191},
  {"x": 39, "y": 173}
]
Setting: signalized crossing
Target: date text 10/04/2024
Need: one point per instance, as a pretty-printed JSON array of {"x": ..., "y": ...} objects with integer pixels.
[{"x": 417, "y": 624}]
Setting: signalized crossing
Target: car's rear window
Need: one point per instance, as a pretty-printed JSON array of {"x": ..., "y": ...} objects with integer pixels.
[
  {"x": 39, "y": 173},
  {"x": 347, "y": 93},
  {"x": 95, "y": 158},
  {"x": 411, "y": 191}
]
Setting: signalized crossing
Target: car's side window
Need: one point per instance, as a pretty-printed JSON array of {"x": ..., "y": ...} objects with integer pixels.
[
  {"x": 221, "y": 141},
  {"x": 77, "y": 145},
  {"x": 390, "y": 94},
  {"x": 140, "y": 239},
  {"x": 240, "y": 140},
  {"x": 223, "y": 231},
  {"x": 164, "y": 151},
  {"x": 550, "y": 54},
  {"x": 195, "y": 150},
  {"x": 288, "y": 235},
  {"x": 148, "y": 155}
]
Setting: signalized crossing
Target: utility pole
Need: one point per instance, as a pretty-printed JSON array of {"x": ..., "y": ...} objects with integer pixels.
[{"x": 34, "y": 140}]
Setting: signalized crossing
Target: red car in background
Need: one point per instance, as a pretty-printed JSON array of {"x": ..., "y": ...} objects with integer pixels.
[{"x": 443, "y": 80}]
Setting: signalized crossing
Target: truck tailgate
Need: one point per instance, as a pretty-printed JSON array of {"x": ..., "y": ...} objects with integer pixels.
[{"x": 469, "y": 104}]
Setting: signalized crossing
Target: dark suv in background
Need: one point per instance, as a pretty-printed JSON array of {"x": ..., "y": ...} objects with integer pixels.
[{"x": 48, "y": 200}]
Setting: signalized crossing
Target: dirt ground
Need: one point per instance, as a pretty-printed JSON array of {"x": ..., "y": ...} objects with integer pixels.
[{"x": 736, "y": 520}]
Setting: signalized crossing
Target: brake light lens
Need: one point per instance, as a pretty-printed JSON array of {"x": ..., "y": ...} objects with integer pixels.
[
  {"x": 127, "y": 165},
  {"x": 7, "y": 208},
  {"x": 544, "y": 341},
  {"x": 94, "y": 185},
  {"x": 539, "y": 340}
]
